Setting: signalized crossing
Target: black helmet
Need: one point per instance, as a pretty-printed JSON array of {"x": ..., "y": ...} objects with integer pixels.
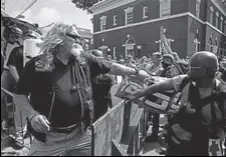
[{"x": 97, "y": 53}]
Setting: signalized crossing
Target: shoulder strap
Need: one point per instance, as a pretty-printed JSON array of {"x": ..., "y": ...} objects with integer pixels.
[
  {"x": 184, "y": 83},
  {"x": 178, "y": 67},
  {"x": 217, "y": 95}
]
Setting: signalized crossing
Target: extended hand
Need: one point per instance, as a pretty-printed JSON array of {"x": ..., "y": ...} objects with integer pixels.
[
  {"x": 130, "y": 97},
  {"x": 143, "y": 75},
  {"x": 40, "y": 124}
]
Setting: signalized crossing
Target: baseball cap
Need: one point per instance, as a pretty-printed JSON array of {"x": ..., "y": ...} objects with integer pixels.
[
  {"x": 157, "y": 55},
  {"x": 168, "y": 56}
]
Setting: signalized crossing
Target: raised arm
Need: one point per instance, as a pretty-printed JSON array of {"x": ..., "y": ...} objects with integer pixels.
[{"x": 118, "y": 69}]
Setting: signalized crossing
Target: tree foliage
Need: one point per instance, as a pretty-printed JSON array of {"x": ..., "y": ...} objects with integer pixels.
[{"x": 85, "y": 4}]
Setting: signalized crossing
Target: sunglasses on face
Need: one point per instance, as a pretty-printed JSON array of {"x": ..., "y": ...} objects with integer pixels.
[
  {"x": 75, "y": 37},
  {"x": 194, "y": 69},
  {"x": 30, "y": 36}
]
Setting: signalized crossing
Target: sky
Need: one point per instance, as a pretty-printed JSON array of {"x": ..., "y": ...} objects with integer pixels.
[{"x": 45, "y": 12}]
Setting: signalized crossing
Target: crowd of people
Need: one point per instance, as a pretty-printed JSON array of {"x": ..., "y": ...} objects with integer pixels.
[{"x": 64, "y": 89}]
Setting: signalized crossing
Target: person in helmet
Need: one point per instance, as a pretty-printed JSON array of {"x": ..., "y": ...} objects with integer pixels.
[
  {"x": 199, "y": 123},
  {"x": 16, "y": 65},
  {"x": 11, "y": 35},
  {"x": 101, "y": 89},
  {"x": 164, "y": 71},
  {"x": 157, "y": 68}
]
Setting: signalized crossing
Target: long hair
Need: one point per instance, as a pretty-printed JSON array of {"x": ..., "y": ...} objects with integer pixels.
[{"x": 51, "y": 42}]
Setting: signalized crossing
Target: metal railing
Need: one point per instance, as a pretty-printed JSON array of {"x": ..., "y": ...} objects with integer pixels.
[{"x": 10, "y": 130}]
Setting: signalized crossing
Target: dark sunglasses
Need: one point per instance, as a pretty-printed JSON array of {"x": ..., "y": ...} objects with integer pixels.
[
  {"x": 30, "y": 36},
  {"x": 194, "y": 68},
  {"x": 73, "y": 36}
]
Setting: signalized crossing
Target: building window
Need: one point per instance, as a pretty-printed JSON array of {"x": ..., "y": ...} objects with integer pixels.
[
  {"x": 211, "y": 15},
  {"x": 114, "y": 52},
  {"x": 165, "y": 8},
  {"x": 210, "y": 45},
  {"x": 217, "y": 20},
  {"x": 196, "y": 44},
  {"x": 128, "y": 16},
  {"x": 196, "y": 41},
  {"x": 221, "y": 24},
  {"x": 103, "y": 20},
  {"x": 198, "y": 4},
  {"x": 114, "y": 20},
  {"x": 225, "y": 26},
  {"x": 145, "y": 12},
  {"x": 215, "y": 47}
]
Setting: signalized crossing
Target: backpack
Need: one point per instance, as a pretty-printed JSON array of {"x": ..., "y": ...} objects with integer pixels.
[{"x": 181, "y": 127}]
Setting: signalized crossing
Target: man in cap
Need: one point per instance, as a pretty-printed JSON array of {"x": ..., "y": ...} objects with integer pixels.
[
  {"x": 143, "y": 64},
  {"x": 156, "y": 69},
  {"x": 201, "y": 117},
  {"x": 11, "y": 35},
  {"x": 167, "y": 62},
  {"x": 16, "y": 57},
  {"x": 58, "y": 83}
]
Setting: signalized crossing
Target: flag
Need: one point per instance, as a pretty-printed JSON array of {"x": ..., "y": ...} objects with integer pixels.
[{"x": 164, "y": 42}]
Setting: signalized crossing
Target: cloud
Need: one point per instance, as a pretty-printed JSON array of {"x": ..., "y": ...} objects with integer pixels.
[
  {"x": 47, "y": 16},
  {"x": 27, "y": 15},
  {"x": 59, "y": 1}
]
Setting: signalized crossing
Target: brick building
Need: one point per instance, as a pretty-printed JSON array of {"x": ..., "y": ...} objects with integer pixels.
[
  {"x": 87, "y": 36},
  {"x": 123, "y": 27}
]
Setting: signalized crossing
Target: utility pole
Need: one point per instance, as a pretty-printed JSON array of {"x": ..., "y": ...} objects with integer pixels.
[{"x": 3, "y": 6}]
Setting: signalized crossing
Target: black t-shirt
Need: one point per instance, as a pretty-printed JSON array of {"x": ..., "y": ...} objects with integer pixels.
[
  {"x": 41, "y": 85},
  {"x": 16, "y": 59}
]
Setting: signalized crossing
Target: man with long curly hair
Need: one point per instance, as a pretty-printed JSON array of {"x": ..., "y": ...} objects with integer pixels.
[{"x": 59, "y": 85}]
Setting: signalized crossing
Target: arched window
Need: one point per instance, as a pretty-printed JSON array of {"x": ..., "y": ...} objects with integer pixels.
[
  {"x": 196, "y": 42},
  {"x": 129, "y": 45}
]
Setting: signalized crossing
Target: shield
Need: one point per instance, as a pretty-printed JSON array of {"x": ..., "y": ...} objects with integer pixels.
[{"x": 163, "y": 102}]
